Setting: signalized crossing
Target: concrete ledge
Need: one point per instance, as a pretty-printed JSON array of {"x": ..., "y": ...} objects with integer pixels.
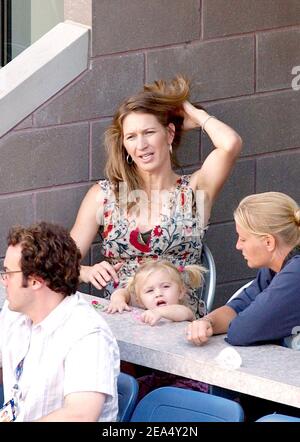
[{"x": 41, "y": 71}]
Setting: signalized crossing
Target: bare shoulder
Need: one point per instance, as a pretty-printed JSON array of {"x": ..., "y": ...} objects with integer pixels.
[
  {"x": 91, "y": 203},
  {"x": 96, "y": 189},
  {"x": 95, "y": 194}
]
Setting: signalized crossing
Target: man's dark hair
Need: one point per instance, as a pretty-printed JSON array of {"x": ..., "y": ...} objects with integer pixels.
[{"x": 48, "y": 252}]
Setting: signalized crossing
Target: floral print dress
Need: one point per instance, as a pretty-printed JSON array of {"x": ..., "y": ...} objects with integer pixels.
[{"x": 178, "y": 238}]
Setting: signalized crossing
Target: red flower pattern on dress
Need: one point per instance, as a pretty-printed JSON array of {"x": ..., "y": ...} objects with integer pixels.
[
  {"x": 185, "y": 255},
  {"x": 135, "y": 240},
  {"x": 174, "y": 239},
  {"x": 157, "y": 231},
  {"x": 106, "y": 232},
  {"x": 182, "y": 199}
]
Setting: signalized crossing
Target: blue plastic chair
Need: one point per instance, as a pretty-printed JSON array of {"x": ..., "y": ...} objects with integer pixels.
[
  {"x": 1, "y": 396},
  {"x": 278, "y": 418},
  {"x": 128, "y": 389},
  {"x": 207, "y": 291},
  {"x": 172, "y": 404}
]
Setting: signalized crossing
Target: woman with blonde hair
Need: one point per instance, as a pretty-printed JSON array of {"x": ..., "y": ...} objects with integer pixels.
[
  {"x": 145, "y": 209},
  {"x": 268, "y": 310}
]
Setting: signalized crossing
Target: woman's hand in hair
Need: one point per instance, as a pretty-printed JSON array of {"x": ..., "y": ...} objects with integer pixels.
[{"x": 193, "y": 117}]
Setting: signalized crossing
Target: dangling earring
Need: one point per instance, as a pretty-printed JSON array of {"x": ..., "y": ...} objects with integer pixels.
[
  {"x": 129, "y": 159},
  {"x": 170, "y": 149}
]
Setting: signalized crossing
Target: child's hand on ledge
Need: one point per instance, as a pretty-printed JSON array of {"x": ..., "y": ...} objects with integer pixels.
[
  {"x": 119, "y": 302},
  {"x": 151, "y": 317}
]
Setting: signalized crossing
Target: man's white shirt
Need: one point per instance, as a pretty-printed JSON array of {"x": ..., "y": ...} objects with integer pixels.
[{"x": 71, "y": 350}]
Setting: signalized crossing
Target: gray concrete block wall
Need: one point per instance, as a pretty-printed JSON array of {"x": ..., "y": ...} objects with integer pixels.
[
  {"x": 228, "y": 17},
  {"x": 97, "y": 93},
  {"x": 59, "y": 205},
  {"x": 18, "y": 209},
  {"x": 45, "y": 157},
  {"x": 280, "y": 173},
  {"x": 25, "y": 124},
  {"x": 268, "y": 122},
  {"x": 218, "y": 69},
  {"x": 240, "y": 183},
  {"x": 135, "y": 24},
  {"x": 239, "y": 55},
  {"x": 282, "y": 48},
  {"x": 98, "y": 154}
]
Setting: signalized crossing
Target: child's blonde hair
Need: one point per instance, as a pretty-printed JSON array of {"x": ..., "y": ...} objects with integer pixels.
[{"x": 190, "y": 276}]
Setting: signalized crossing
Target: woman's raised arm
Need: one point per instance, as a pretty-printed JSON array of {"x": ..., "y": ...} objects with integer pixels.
[{"x": 219, "y": 163}]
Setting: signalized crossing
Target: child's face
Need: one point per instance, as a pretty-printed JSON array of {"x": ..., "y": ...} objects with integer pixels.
[{"x": 159, "y": 289}]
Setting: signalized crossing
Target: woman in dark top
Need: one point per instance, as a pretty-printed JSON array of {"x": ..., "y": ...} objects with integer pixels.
[{"x": 268, "y": 228}]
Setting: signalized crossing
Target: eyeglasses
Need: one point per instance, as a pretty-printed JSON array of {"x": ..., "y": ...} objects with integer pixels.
[{"x": 4, "y": 273}]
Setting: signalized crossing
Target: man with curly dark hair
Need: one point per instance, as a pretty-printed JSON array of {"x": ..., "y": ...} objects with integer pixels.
[{"x": 60, "y": 360}]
